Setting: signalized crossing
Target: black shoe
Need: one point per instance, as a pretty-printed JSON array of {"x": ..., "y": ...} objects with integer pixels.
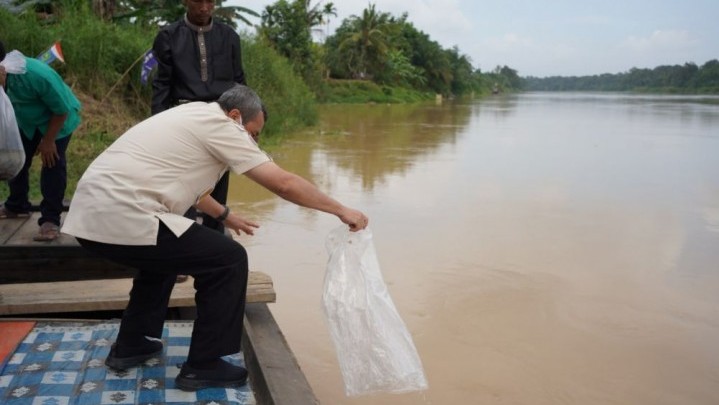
[
  {"x": 223, "y": 375},
  {"x": 115, "y": 362}
]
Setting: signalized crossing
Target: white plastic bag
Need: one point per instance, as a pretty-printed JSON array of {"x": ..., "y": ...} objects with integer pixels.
[
  {"x": 12, "y": 154},
  {"x": 14, "y": 62},
  {"x": 375, "y": 350}
]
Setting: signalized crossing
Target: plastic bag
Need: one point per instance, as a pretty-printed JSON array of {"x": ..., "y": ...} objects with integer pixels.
[
  {"x": 12, "y": 154},
  {"x": 375, "y": 350},
  {"x": 14, "y": 62}
]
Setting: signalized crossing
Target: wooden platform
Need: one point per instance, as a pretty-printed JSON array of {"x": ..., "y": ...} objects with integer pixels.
[
  {"x": 23, "y": 260},
  {"x": 103, "y": 295},
  {"x": 61, "y": 276},
  {"x": 47, "y": 277}
]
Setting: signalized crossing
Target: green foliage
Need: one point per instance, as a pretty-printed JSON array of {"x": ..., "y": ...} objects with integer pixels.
[
  {"x": 144, "y": 13},
  {"x": 365, "y": 42},
  {"x": 96, "y": 53},
  {"x": 390, "y": 50},
  {"x": 687, "y": 78},
  {"x": 287, "y": 27},
  {"x": 99, "y": 67},
  {"x": 365, "y": 91},
  {"x": 289, "y": 101},
  {"x": 400, "y": 71}
]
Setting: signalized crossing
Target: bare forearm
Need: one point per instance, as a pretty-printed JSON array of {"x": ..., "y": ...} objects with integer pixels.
[
  {"x": 298, "y": 190},
  {"x": 210, "y": 206},
  {"x": 301, "y": 192},
  {"x": 54, "y": 126}
]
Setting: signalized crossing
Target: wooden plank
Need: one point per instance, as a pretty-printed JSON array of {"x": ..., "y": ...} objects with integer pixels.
[
  {"x": 23, "y": 260},
  {"x": 46, "y": 263},
  {"x": 8, "y": 228},
  {"x": 275, "y": 374},
  {"x": 29, "y": 229},
  {"x": 102, "y": 295}
]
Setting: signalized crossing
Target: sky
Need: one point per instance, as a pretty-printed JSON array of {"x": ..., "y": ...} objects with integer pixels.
[{"x": 556, "y": 37}]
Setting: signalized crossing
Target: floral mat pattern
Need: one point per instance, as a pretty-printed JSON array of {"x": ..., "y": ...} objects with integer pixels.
[{"x": 63, "y": 365}]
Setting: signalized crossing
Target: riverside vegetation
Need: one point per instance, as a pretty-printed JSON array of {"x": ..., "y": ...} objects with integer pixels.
[
  {"x": 373, "y": 57},
  {"x": 104, "y": 40}
]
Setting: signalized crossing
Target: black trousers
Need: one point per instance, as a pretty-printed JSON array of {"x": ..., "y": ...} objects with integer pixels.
[
  {"x": 53, "y": 181},
  {"x": 220, "y": 269},
  {"x": 219, "y": 193}
]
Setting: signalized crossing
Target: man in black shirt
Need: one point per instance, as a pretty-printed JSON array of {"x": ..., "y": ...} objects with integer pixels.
[{"x": 198, "y": 59}]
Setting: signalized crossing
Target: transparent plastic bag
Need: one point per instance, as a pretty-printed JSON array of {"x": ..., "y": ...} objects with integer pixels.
[
  {"x": 14, "y": 62},
  {"x": 12, "y": 154},
  {"x": 374, "y": 348}
]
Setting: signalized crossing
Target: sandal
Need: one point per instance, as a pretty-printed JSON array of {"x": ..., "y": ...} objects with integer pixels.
[
  {"x": 7, "y": 214},
  {"x": 48, "y": 232}
]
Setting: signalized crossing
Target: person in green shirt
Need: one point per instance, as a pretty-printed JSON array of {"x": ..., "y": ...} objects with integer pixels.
[{"x": 47, "y": 113}]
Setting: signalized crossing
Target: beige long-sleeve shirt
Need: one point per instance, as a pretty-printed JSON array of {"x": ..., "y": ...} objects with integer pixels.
[{"x": 155, "y": 172}]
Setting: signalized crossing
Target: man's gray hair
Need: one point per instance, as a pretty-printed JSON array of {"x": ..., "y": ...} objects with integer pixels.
[{"x": 242, "y": 98}]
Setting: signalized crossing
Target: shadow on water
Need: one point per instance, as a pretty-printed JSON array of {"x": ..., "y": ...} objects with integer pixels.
[
  {"x": 373, "y": 142},
  {"x": 367, "y": 142}
]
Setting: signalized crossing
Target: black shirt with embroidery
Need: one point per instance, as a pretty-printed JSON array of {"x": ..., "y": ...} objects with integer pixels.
[{"x": 195, "y": 63}]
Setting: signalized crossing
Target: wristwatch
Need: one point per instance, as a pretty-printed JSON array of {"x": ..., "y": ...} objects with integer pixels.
[{"x": 224, "y": 214}]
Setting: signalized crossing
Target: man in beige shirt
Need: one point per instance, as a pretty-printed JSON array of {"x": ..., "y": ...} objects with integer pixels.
[{"x": 129, "y": 206}]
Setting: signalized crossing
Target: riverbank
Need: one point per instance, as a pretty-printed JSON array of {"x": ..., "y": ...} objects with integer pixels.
[{"x": 104, "y": 121}]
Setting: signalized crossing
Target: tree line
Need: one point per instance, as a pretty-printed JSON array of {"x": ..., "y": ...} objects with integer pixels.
[
  {"x": 374, "y": 46},
  {"x": 687, "y": 78}
]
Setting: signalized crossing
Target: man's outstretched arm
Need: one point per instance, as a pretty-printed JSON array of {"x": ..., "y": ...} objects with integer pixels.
[{"x": 298, "y": 190}]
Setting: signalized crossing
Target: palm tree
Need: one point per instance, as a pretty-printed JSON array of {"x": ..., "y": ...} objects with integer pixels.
[
  {"x": 318, "y": 14},
  {"x": 368, "y": 43},
  {"x": 146, "y": 12}
]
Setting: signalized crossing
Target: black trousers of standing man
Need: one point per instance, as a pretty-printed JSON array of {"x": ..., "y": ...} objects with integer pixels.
[
  {"x": 53, "y": 181},
  {"x": 220, "y": 269},
  {"x": 219, "y": 193}
]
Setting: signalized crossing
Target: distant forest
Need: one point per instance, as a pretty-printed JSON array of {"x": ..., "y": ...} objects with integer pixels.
[{"x": 687, "y": 78}]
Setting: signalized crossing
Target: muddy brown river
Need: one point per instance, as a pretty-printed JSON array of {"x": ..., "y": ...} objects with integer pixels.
[{"x": 541, "y": 248}]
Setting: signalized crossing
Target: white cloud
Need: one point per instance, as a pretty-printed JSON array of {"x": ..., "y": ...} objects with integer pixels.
[
  {"x": 568, "y": 38},
  {"x": 660, "y": 41},
  {"x": 443, "y": 20},
  {"x": 509, "y": 42}
]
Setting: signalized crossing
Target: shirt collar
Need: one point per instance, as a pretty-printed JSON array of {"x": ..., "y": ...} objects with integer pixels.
[{"x": 198, "y": 28}]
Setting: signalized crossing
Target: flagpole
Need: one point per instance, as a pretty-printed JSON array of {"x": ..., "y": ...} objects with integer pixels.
[{"x": 122, "y": 77}]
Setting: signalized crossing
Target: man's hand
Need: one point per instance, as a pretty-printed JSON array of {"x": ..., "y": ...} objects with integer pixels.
[
  {"x": 48, "y": 152},
  {"x": 355, "y": 219},
  {"x": 237, "y": 224},
  {"x": 3, "y": 76}
]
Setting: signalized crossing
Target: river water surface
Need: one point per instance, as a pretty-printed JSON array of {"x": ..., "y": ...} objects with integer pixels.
[{"x": 541, "y": 248}]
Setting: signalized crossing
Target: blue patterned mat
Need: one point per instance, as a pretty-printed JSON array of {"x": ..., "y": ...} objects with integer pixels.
[{"x": 63, "y": 365}]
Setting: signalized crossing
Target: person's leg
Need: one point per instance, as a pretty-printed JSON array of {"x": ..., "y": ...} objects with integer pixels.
[
  {"x": 53, "y": 182},
  {"x": 145, "y": 313},
  {"x": 146, "y": 309},
  {"x": 220, "y": 194},
  {"x": 219, "y": 266},
  {"x": 18, "y": 202},
  {"x": 220, "y": 301}
]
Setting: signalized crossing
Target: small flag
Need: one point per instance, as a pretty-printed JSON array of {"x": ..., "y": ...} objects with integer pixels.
[
  {"x": 55, "y": 52},
  {"x": 148, "y": 64}
]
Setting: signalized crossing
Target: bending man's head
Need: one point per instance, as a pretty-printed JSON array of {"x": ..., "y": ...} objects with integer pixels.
[{"x": 243, "y": 105}]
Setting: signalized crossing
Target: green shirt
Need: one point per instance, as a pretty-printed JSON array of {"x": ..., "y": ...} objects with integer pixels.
[{"x": 38, "y": 94}]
